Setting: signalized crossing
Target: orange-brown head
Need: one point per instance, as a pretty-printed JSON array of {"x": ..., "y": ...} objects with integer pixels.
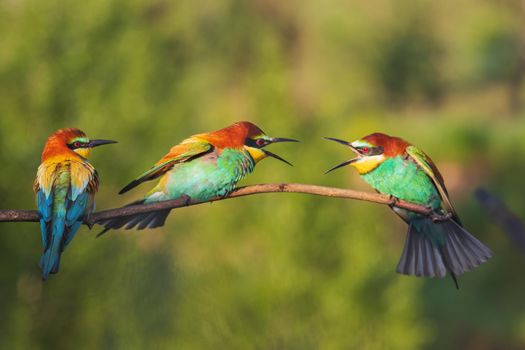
[
  {"x": 372, "y": 150},
  {"x": 244, "y": 135},
  {"x": 70, "y": 142}
]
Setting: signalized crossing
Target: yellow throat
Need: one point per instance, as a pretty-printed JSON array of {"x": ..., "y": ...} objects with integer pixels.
[
  {"x": 83, "y": 152},
  {"x": 367, "y": 164},
  {"x": 256, "y": 153}
]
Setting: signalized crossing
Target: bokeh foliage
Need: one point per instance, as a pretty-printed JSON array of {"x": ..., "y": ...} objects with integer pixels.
[{"x": 270, "y": 271}]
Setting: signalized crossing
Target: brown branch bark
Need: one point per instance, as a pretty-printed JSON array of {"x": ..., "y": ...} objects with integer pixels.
[{"x": 32, "y": 215}]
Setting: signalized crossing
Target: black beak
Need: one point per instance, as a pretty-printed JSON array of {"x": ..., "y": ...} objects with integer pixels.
[
  {"x": 345, "y": 163},
  {"x": 282, "y": 139},
  {"x": 273, "y": 155},
  {"x": 343, "y": 142},
  {"x": 276, "y": 140},
  {"x": 96, "y": 143}
]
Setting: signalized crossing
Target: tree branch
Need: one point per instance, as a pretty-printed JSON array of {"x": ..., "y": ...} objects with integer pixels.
[
  {"x": 32, "y": 215},
  {"x": 511, "y": 224}
]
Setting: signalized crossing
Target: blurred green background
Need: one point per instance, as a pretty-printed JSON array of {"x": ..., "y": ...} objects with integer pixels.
[{"x": 276, "y": 271}]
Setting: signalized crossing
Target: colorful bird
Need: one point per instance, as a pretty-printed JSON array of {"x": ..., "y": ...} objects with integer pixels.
[
  {"x": 65, "y": 188},
  {"x": 393, "y": 166},
  {"x": 201, "y": 167}
]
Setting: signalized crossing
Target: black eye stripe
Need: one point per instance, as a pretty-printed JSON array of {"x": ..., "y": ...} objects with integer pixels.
[
  {"x": 371, "y": 151},
  {"x": 261, "y": 142},
  {"x": 255, "y": 143},
  {"x": 76, "y": 144},
  {"x": 377, "y": 150}
]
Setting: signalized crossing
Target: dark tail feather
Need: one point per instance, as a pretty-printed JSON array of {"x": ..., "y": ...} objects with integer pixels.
[
  {"x": 420, "y": 256},
  {"x": 458, "y": 252},
  {"x": 462, "y": 251},
  {"x": 141, "y": 221}
]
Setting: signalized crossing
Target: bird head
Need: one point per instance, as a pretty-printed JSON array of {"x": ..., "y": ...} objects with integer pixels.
[
  {"x": 371, "y": 151},
  {"x": 248, "y": 136},
  {"x": 255, "y": 140},
  {"x": 65, "y": 141}
]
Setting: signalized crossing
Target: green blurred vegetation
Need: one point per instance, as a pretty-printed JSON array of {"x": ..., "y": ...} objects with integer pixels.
[{"x": 280, "y": 271}]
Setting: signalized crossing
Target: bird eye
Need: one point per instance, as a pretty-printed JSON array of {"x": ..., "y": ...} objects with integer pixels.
[
  {"x": 260, "y": 142},
  {"x": 77, "y": 144},
  {"x": 365, "y": 150}
]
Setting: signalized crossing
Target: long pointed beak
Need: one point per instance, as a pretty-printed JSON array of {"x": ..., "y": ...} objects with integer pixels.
[
  {"x": 343, "y": 142},
  {"x": 96, "y": 143},
  {"x": 282, "y": 139},
  {"x": 273, "y": 155},
  {"x": 345, "y": 163}
]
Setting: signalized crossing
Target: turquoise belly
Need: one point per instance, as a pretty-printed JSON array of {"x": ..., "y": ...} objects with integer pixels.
[
  {"x": 403, "y": 179},
  {"x": 204, "y": 178}
]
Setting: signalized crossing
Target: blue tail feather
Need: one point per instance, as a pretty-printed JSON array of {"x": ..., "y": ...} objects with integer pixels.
[
  {"x": 50, "y": 260},
  {"x": 59, "y": 229},
  {"x": 72, "y": 232}
]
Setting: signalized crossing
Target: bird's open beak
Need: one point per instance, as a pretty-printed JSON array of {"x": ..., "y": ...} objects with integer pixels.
[
  {"x": 273, "y": 155},
  {"x": 282, "y": 139},
  {"x": 96, "y": 143},
  {"x": 347, "y": 162}
]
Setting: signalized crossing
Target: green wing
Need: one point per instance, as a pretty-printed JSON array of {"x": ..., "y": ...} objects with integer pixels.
[
  {"x": 432, "y": 171},
  {"x": 178, "y": 154}
]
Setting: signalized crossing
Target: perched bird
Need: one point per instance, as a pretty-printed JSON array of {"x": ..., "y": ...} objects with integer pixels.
[
  {"x": 393, "y": 166},
  {"x": 201, "y": 167},
  {"x": 65, "y": 188}
]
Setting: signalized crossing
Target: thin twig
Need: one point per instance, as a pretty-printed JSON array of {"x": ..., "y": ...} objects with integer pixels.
[{"x": 32, "y": 215}]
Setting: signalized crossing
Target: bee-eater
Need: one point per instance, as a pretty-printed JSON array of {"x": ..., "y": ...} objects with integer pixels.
[
  {"x": 199, "y": 168},
  {"x": 393, "y": 166},
  {"x": 65, "y": 188}
]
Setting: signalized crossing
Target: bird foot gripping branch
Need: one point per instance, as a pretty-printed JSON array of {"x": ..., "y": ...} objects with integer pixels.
[
  {"x": 393, "y": 201},
  {"x": 437, "y": 218},
  {"x": 186, "y": 200}
]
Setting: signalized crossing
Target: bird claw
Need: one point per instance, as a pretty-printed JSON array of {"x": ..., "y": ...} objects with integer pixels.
[
  {"x": 88, "y": 222},
  {"x": 186, "y": 199},
  {"x": 436, "y": 218},
  {"x": 392, "y": 201}
]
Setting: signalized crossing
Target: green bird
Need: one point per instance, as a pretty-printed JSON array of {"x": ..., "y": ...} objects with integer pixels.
[
  {"x": 201, "y": 167},
  {"x": 393, "y": 166}
]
